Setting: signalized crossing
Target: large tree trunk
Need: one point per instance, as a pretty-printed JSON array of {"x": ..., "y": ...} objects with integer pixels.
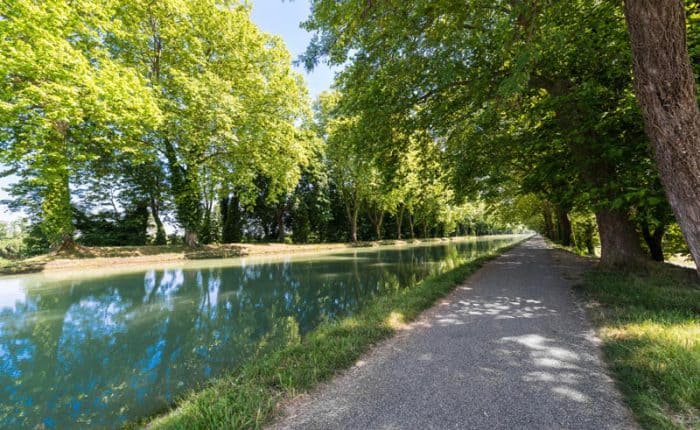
[
  {"x": 563, "y": 227},
  {"x": 231, "y": 226},
  {"x": 352, "y": 211},
  {"x": 619, "y": 241},
  {"x": 653, "y": 240},
  {"x": 666, "y": 93},
  {"x": 56, "y": 209},
  {"x": 353, "y": 227},
  {"x": 191, "y": 238},
  {"x": 161, "y": 238},
  {"x": 279, "y": 219}
]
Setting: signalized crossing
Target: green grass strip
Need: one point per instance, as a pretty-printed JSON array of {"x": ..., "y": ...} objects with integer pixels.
[
  {"x": 247, "y": 397},
  {"x": 650, "y": 327}
]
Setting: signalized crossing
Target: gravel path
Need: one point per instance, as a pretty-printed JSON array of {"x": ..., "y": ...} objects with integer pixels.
[{"x": 510, "y": 348}]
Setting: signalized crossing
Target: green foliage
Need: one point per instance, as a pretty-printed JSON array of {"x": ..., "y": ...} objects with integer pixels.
[
  {"x": 109, "y": 229},
  {"x": 118, "y": 88},
  {"x": 64, "y": 99},
  {"x": 229, "y": 99},
  {"x": 521, "y": 98},
  {"x": 12, "y": 240}
]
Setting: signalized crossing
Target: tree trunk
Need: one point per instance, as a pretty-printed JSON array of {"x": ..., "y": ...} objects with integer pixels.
[
  {"x": 161, "y": 238},
  {"x": 279, "y": 217},
  {"x": 353, "y": 226},
  {"x": 231, "y": 223},
  {"x": 653, "y": 241},
  {"x": 410, "y": 226},
  {"x": 66, "y": 244},
  {"x": 399, "y": 221},
  {"x": 665, "y": 87},
  {"x": 548, "y": 223},
  {"x": 619, "y": 241},
  {"x": 191, "y": 239},
  {"x": 56, "y": 209},
  {"x": 563, "y": 227},
  {"x": 377, "y": 224}
]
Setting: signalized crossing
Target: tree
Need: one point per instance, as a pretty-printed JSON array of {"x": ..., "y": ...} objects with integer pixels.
[
  {"x": 65, "y": 101},
  {"x": 230, "y": 101},
  {"x": 511, "y": 91},
  {"x": 348, "y": 168},
  {"x": 667, "y": 94}
]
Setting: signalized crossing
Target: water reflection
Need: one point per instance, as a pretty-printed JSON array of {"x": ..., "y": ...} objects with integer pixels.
[{"x": 97, "y": 352}]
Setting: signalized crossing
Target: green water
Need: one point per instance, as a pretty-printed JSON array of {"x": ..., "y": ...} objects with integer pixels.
[{"x": 94, "y": 350}]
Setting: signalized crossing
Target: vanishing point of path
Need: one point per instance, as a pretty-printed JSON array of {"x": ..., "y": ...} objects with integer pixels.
[{"x": 509, "y": 348}]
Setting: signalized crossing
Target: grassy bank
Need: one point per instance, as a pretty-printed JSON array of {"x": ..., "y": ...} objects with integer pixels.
[
  {"x": 85, "y": 257},
  {"x": 650, "y": 327},
  {"x": 247, "y": 398}
]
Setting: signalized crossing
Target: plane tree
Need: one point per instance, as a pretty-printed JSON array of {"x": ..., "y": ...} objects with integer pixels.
[{"x": 65, "y": 102}]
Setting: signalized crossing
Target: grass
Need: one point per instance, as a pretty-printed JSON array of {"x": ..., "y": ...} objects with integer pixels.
[
  {"x": 650, "y": 327},
  {"x": 248, "y": 397}
]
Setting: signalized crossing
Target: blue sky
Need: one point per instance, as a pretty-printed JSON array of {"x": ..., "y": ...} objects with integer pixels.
[
  {"x": 272, "y": 16},
  {"x": 283, "y": 18}
]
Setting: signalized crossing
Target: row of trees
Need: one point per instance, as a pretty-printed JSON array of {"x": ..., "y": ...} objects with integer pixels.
[
  {"x": 536, "y": 101},
  {"x": 121, "y": 117},
  {"x": 188, "y": 96}
]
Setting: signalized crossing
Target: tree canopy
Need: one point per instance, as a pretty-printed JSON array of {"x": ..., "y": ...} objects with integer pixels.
[
  {"x": 525, "y": 97},
  {"x": 124, "y": 118}
]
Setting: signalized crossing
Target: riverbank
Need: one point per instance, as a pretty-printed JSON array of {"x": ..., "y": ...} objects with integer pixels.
[
  {"x": 649, "y": 324},
  {"x": 144, "y": 256},
  {"x": 248, "y": 397}
]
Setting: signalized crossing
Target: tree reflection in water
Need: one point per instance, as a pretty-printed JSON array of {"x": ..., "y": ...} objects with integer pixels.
[{"x": 94, "y": 353}]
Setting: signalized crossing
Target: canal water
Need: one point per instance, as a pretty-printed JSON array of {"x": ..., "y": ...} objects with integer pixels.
[{"x": 97, "y": 349}]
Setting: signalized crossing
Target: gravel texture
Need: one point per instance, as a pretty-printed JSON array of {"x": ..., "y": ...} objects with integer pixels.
[{"x": 509, "y": 348}]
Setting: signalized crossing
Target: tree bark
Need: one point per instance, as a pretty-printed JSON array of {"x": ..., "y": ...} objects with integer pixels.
[
  {"x": 161, "y": 238},
  {"x": 399, "y": 221},
  {"x": 353, "y": 226},
  {"x": 231, "y": 223},
  {"x": 654, "y": 241},
  {"x": 666, "y": 93},
  {"x": 279, "y": 218},
  {"x": 619, "y": 241},
  {"x": 548, "y": 223},
  {"x": 563, "y": 227},
  {"x": 191, "y": 238}
]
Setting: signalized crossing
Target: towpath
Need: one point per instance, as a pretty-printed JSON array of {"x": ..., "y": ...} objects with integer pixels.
[{"x": 509, "y": 348}]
